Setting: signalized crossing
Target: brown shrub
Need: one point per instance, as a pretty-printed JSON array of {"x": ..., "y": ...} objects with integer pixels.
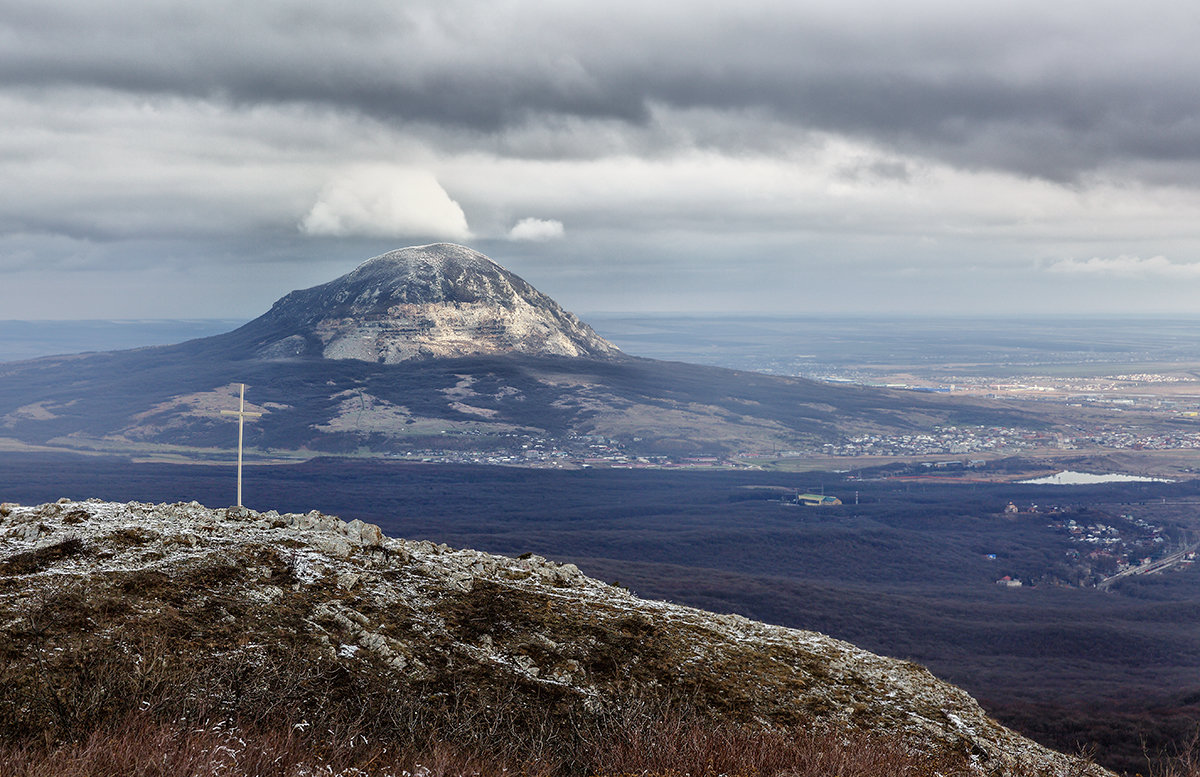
[
  {"x": 35, "y": 560},
  {"x": 141, "y": 746},
  {"x": 644, "y": 741},
  {"x": 76, "y": 516},
  {"x": 131, "y": 537},
  {"x": 1183, "y": 763}
]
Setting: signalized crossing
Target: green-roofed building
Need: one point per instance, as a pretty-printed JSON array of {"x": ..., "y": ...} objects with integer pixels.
[{"x": 818, "y": 500}]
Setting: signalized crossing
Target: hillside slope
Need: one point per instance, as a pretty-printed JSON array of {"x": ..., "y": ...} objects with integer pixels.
[
  {"x": 171, "y": 397},
  {"x": 105, "y": 605},
  {"x": 421, "y": 302},
  {"x": 438, "y": 348}
]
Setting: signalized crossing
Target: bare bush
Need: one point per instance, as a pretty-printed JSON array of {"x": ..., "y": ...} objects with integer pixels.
[{"x": 1185, "y": 762}]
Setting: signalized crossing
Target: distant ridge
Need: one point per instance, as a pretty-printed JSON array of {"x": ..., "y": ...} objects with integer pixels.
[{"x": 432, "y": 301}]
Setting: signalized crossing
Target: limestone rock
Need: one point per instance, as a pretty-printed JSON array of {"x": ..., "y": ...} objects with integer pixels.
[{"x": 432, "y": 301}]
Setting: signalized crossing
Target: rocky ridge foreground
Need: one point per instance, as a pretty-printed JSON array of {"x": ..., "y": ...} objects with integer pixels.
[
  {"x": 86, "y": 582},
  {"x": 433, "y": 301}
]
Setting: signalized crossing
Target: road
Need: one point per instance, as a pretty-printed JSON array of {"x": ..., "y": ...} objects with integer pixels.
[{"x": 1158, "y": 566}]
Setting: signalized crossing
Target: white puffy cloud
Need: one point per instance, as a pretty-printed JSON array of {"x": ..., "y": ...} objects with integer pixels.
[
  {"x": 386, "y": 202},
  {"x": 536, "y": 230},
  {"x": 1128, "y": 266}
]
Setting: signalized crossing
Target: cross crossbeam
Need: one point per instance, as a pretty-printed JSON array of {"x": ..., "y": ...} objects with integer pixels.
[{"x": 242, "y": 414}]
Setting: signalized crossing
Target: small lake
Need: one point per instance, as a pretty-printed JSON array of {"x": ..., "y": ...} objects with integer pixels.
[{"x": 1069, "y": 478}]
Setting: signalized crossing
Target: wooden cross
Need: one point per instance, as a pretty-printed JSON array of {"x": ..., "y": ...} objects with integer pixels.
[{"x": 242, "y": 416}]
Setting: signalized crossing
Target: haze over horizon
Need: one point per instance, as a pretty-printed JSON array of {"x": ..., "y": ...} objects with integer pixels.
[{"x": 163, "y": 160}]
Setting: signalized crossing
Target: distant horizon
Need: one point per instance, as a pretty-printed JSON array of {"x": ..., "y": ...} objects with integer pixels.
[
  {"x": 735, "y": 340},
  {"x": 698, "y": 314}
]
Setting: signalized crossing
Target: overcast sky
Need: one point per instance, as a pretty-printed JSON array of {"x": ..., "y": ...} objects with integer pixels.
[{"x": 170, "y": 159}]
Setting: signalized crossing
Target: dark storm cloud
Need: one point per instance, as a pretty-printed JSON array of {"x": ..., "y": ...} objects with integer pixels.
[
  {"x": 389, "y": 63},
  {"x": 1046, "y": 93}
]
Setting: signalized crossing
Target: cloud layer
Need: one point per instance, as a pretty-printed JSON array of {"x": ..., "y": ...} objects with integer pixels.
[
  {"x": 719, "y": 155},
  {"x": 1052, "y": 92},
  {"x": 1129, "y": 267}
]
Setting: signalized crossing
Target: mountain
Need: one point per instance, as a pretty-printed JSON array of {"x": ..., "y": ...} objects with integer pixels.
[
  {"x": 432, "y": 301},
  {"x": 437, "y": 348},
  {"x": 179, "y": 612}
]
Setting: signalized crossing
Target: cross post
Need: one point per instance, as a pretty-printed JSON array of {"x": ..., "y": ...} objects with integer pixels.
[{"x": 242, "y": 416}]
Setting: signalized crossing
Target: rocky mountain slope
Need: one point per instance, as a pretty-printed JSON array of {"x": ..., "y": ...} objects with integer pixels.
[
  {"x": 104, "y": 605},
  {"x": 432, "y": 301},
  {"x": 439, "y": 348}
]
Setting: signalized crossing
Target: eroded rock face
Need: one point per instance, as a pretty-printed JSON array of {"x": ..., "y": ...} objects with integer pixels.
[
  {"x": 235, "y": 582},
  {"x": 441, "y": 300}
]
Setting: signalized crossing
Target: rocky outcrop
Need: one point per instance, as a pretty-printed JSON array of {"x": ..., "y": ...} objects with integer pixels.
[
  {"x": 419, "y": 612},
  {"x": 431, "y": 301}
]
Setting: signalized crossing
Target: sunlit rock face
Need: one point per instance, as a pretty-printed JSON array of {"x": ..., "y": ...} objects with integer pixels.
[{"x": 433, "y": 301}]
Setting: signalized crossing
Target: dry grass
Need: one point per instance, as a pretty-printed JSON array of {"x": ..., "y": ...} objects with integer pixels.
[
  {"x": 148, "y": 675},
  {"x": 679, "y": 745},
  {"x": 143, "y": 746}
]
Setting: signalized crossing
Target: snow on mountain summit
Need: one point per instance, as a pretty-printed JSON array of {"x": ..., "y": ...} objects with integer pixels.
[{"x": 433, "y": 301}]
